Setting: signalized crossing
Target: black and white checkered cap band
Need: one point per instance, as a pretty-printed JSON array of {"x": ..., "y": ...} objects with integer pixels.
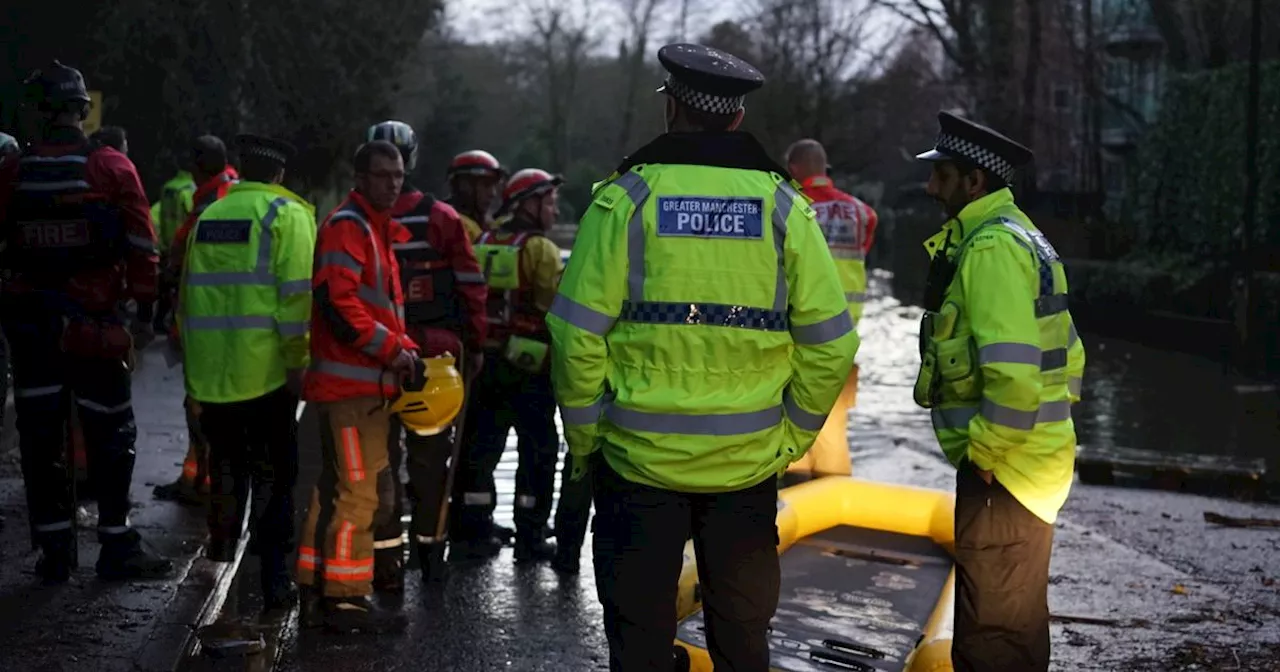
[
  {"x": 706, "y": 102},
  {"x": 266, "y": 152},
  {"x": 983, "y": 157}
]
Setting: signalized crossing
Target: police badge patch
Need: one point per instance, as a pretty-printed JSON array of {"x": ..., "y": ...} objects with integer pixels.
[{"x": 709, "y": 217}]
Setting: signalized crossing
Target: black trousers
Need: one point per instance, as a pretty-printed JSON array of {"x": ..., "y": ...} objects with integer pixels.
[
  {"x": 45, "y": 380},
  {"x": 506, "y": 397},
  {"x": 573, "y": 511},
  {"x": 428, "y": 466},
  {"x": 253, "y": 450},
  {"x": 1002, "y": 580},
  {"x": 639, "y": 535}
]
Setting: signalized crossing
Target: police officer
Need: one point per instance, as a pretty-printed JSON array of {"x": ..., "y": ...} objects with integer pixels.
[
  {"x": 80, "y": 243},
  {"x": 700, "y": 337},
  {"x": 444, "y": 297},
  {"x": 1001, "y": 364},
  {"x": 522, "y": 266},
  {"x": 849, "y": 226},
  {"x": 244, "y": 318}
]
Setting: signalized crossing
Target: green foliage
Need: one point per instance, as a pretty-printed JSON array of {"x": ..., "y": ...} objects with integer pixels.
[{"x": 1188, "y": 194}]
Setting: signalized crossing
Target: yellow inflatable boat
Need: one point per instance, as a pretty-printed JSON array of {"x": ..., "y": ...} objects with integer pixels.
[{"x": 868, "y": 582}]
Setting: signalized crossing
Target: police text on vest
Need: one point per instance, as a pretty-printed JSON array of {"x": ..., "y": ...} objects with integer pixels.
[{"x": 709, "y": 217}]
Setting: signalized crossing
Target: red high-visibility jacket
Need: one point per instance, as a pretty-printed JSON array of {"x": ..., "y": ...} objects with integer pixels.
[{"x": 357, "y": 315}]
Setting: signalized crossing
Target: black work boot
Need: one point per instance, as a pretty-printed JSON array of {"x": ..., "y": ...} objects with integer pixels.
[
  {"x": 123, "y": 557},
  {"x": 348, "y": 615},
  {"x": 388, "y": 569},
  {"x": 431, "y": 560},
  {"x": 278, "y": 592},
  {"x": 567, "y": 560},
  {"x": 180, "y": 491},
  {"x": 310, "y": 607},
  {"x": 533, "y": 548},
  {"x": 58, "y": 557}
]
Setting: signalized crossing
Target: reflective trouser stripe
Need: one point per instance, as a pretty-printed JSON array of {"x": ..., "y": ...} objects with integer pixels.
[
  {"x": 351, "y": 454},
  {"x": 477, "y": 498},
  {"x": 105, "y": 410},
  {"x": 30, "y": 392},
  {"x": 383, "y": 544},
  {"x": 526, "y": 501}
]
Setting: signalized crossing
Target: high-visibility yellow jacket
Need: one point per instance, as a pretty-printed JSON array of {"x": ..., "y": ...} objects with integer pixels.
[
  {"x": 700, "y": 334},
  {"x": 1001, "y": 361},
  {"x": 245, "y": 304},
  {"x": 173, "y": 207}
]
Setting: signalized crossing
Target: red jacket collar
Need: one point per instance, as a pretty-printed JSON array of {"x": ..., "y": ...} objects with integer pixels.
[
  {"x": 817, "y": 182},
  {"x": 380, "y": 221},
  {"x": 220, "y": 182}
]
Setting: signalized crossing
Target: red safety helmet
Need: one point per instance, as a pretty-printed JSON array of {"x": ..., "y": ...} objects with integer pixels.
[
  {"x": 527, "y": 183},
  {"x": 475, "y": 162}
]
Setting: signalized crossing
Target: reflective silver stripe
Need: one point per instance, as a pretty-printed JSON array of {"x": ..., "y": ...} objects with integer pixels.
[
  {"x": 53, "y": 527},
  {"x": 340, "y": 259},
  {"x": 1053, "y": 411},
  {"x": 783, "y": 199},
  {"x": 374, "y": 297},
  {"x": 292, "y": 287},
  {"x": 65, "y": 185},
  {"x": 477, "y": 498},
  {"x": 374, "y": 347},
  {"x": 1074, "y": 385},
  {"x": 469, "y": 277},
  {"x": 292, "y": 329},
  {"x": 229, "y": 278},
  {"x": 1072, "y": 336},
  {"x": 29, "y": 392},
  {"x": 105, "y": 410},
  {"x": 112, "y": 529},
  {"x": 141, "y": 243},
  {"x": 953, "y": 418},
  {"x": 352, "y": 215},
  {"x": 413, "y": 219},
  {"x": 222, "y": 322},
  {"x": 383, "y": 544},
  {"x": 342, "y": 571},
  {"x": 588, "y": 415},
  {"x": 855, "y": 297},
  {"x": 264, "y": 240},
  {"x": 800, "y": 417},
  {"x": 424, "y": 539},
  {"x": 411, "y": 245},
  {"x": 822, "y": 332},
  {"x": 526, "y": 501},
  {"x": 1009, "y": 353},
  {"x": 848, "y": 253},
  {"x": 729, "y": 424},
  {"x": 638, "y": 192},
  {"x": 580, "y": 316},
  {"x": 365, "y": 374},
  {"x": 70, "y": 158}
]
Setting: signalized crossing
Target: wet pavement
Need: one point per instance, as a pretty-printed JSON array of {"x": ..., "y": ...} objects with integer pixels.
[
  {"x": 1139, "y": 580},
  {"x": 92, "y": 625}
]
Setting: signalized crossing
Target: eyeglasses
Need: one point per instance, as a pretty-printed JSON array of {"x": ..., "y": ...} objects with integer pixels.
[{"x": 386, "y": 174}]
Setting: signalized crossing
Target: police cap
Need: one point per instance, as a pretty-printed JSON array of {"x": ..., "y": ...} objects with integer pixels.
[
  {"x": 270, "y": 148},
  {"x": 959, "y": 138},
  {"x": 707, "y": 79}
]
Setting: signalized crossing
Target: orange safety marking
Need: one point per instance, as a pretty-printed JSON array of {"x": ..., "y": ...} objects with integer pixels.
[{"x": 351, "y": 451}]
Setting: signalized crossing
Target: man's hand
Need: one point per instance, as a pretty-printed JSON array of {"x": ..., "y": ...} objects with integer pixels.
[
  {"x": 293, "y": 380},
  {"x": 403, "y": 363}
]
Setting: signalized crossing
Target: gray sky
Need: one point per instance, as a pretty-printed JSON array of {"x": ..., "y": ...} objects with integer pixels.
[{"x": 489, "y": 20}]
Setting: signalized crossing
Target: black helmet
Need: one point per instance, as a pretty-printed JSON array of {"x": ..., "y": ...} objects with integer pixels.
[
  {"x": 399, "y": 134},
  {"x": 56, "y": 84}
]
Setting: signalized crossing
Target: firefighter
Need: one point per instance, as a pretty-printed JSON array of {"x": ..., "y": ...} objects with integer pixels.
[
  {"x": 1001, "y": 365},
  {"x": 80, "y": 244},
  {"x": 849, "y": 226},
  {"x": 215, "y": 177},
  {"x": 244, "y": 314},
  {"x": 359, "y": 348},
  {"x": 444, "y": 296},
  {"x": 474, "y": 178},
  {"x": 522, "y": 266},
  {"x": 697, "y": 250}
]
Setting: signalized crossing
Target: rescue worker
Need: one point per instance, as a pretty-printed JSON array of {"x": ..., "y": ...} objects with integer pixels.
[
  {"x": 215, "y": 177},
  {"x": 1001, "y": 364},
  {"x": 444, "y": 295},
  {"x": 474, "y": 178},
  {"x": 169, "y": 213},
  {"x": 522, "y": 266},
  {"x": 358, "y": 349},
  {"x": 244, "y": 314},
  {"x": 849, "y": 226},
  {"x": 79, "y": 244},
  {"x": 700, "y": 337}
]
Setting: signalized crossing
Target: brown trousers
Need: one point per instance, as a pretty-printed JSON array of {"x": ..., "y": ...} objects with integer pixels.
[
  {"x": 1002, "y": 580},
  {"x": 829, "y": 455},
  {"x": 336, "y": 547}
]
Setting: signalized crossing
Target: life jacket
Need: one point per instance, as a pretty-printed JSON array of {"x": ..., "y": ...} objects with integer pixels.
[
  {"x": 61, "y": 226},
  {"x": 511, "y": 308},
  {"x": 426, "y": 276}
]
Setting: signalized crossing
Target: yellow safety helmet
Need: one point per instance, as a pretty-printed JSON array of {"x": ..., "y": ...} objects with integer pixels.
[{"x": 430, "y": 399}]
